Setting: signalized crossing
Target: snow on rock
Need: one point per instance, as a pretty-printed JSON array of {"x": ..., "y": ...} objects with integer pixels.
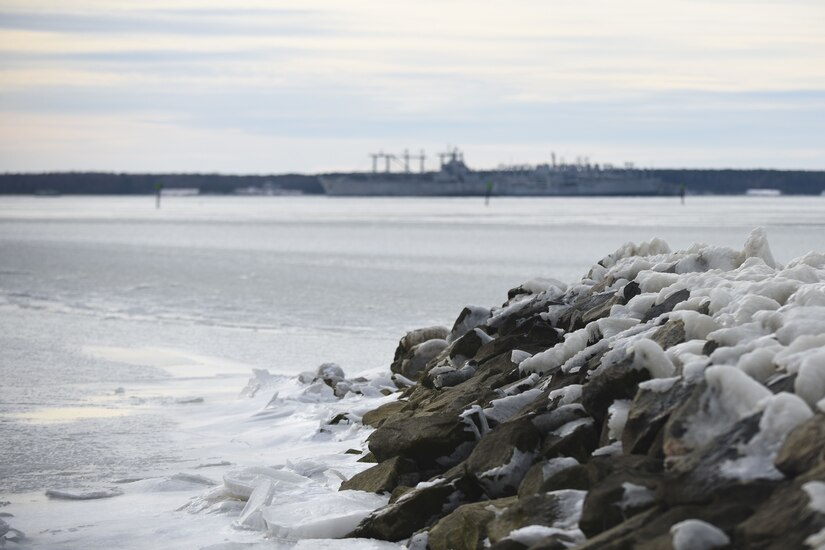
[
  {"x": 782, "y": 413},
  {"x": 635, "y": 496},
  {"x": 816, "y": 495},
  {"x": 502, "y": 409},
  {"x": 694, "y": 534}
]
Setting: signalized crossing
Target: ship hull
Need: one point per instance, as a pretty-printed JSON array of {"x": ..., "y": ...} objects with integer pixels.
[{"x": 526, "y": 184}]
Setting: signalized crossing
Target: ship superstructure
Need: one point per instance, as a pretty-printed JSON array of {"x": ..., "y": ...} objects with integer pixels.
[{"x": 455, "y": 179}]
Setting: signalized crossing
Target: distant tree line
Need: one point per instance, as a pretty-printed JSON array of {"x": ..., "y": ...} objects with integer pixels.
[
  {"x": 100, "y": 183},
  {"x": 730, "y": 182},
  {"x": 735, "y": 182}
]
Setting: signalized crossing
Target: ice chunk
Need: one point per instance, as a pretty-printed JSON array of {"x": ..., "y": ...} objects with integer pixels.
[
  {"x": 694, "y": 534},
  {"x": 252, "y": 517},
  {"x": 83, "y": 495},
  {"x": 324, "y": 516},
  {"x": 240, "y": 482},
  {"x": 756, "y": 246}
]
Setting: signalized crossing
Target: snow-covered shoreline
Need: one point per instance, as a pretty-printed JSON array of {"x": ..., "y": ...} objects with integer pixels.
[{"x": 632, "y": 406}]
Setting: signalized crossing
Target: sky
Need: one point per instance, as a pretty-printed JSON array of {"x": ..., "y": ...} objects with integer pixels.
[{"x": 256, "y": 87}]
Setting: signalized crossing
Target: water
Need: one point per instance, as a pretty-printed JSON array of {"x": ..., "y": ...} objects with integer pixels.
[{"x": 113, "y": 315}]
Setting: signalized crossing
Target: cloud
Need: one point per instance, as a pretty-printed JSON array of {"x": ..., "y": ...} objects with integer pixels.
[{"x": 700, "y": 76}]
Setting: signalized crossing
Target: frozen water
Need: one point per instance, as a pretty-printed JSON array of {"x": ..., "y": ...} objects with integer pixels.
[{"x": 135, "y": 331}]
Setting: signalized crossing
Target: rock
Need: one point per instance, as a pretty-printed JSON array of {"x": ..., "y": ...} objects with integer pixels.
[
  {"x": 532, "y": 334},
  {"x": 591, "y": 305},
  {"x": 384, "y": 477},
  {"x": 424, "y": 439},
  {"x": 618, "y": 381},
  {"x": 549, "y": 509},
  {"x": 601, "y": 308},
  {"x": 469, "y": 318},
  {"x": 649, "y": 412},
  {"x": 804, "y": 448},
  {"x": 577, "y": 439},
  {"x": 468, "y": 345},
  {"x": 670, "y": 334},
  {"x": 416, "y": 509},
  {"x": 785, "y": 519},
  {"x": 333, "y": 376},
  {"x": 616, "y": 498},
  {"x": 377, "y": 416},
  {"x": 502, "y": 457},
  {"x": 554, "y": 475},
  {"x": 698, "y": 477},
  {"x": 404, "y": 351},
  {"x": 412, "y": 364},
  {"x": 666, "y": 306},
  {"x": 466, "y": 527}
]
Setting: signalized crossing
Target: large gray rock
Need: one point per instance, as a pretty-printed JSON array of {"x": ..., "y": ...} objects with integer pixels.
[
  {"x": 785, "y": 519},
  {"x": 428, "y": 440},
  {"x": 502, "y": 457},
  {"x": 547, "y": 509},
  {"x": 804, "y": 448},
  {"x": 415, "y": 510},
  {"x": 384, "y": 477},
  {"x": 469, "y": 318},
  {"x": 618, "y": 381},
  {"x": 410, "y": 359},
  {"x": 667, "y": 305},
  {"x": 649, "y": 412},
  {"x": 466, "y": 527},
  {"x": 379, "y": 415}
]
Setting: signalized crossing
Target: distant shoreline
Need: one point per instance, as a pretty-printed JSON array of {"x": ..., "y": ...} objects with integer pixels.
[{"x": 696, "y": 181}]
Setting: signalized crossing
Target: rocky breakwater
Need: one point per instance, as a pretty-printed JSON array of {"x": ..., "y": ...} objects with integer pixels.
[{"x": 667, "y": 400}]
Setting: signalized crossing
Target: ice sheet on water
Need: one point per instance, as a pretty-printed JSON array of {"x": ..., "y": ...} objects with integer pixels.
[{"x": 323, "y": 515}]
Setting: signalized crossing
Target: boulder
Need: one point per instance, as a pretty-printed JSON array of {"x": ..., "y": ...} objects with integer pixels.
[
  {"x": 804, "y": 448},
  {"x": 427, "y": 440},
  {"x": 785, "y": 519},
  {"x": 469, "y": 318},
  {"x": 649, "y": 411},
  {"x": 670, "y": 334},
  {"x": 667, "y": 305},
  {"x": 616, "y": 498},
  {"x": 548, "y": 509},
  {"x": 414, "y": 510},
  {"x": 502, "y": 457},
  {"x": 384, "y": 477},
  {"x": 404, "y": 351},
  {"x": 618, "y": 381},
  {"x": 466, "y": 527},
  {"x": 377, "y": 416}
]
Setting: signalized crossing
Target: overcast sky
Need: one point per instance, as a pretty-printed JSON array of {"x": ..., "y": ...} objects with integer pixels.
[{"x": 243, "y": 86}]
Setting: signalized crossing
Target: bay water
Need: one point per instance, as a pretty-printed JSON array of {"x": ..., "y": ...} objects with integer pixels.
[{"x": 118, "y": 321}]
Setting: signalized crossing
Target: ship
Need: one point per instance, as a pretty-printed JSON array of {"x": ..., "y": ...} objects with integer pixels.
[{"x": 455, "y": 179}]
